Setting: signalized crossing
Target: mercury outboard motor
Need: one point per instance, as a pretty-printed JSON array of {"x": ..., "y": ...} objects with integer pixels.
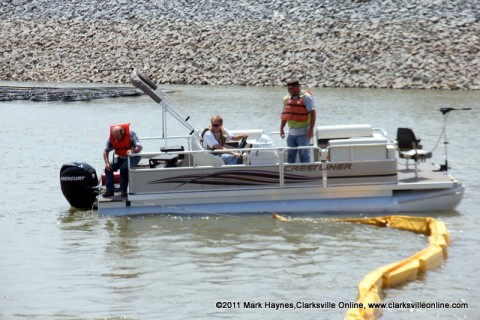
[{"x": 79, "y": 184}]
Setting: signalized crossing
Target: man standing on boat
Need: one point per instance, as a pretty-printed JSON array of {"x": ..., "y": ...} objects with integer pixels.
[
  {"x": 216, "y": 136},
  {"x": 124, "y": 142},
  {"x": 299, "y": 113}
]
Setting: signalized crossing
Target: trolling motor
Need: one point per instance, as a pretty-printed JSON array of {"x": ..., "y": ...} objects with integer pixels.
[{"x": 445, "y": 111}]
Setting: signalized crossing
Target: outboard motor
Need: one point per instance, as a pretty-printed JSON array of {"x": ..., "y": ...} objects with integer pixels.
[{"x": 79, "y": 183}]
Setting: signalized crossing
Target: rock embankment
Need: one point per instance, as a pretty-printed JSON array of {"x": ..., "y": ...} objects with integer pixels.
[{"x": 374, "y": 44}]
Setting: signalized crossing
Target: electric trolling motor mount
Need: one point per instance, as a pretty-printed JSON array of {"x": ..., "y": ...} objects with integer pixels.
[{"x": 445, "y": 111}]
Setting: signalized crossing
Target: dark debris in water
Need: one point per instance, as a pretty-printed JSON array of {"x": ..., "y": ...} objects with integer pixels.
[{"x": 10, "y": 93}]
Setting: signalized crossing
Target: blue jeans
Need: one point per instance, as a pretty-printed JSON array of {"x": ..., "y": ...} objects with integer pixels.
[
  {"x": 298, "y": 141},
  {"x": 229, "y": 159},
  {"x": 122, "y": 164}
]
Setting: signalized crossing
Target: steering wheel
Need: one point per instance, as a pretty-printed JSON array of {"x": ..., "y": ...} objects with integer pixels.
[{"x": 243, "y": 143}]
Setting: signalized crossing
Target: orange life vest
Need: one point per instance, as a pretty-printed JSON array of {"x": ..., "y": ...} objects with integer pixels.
[
  {"x": 121, "y": 147},
  {"x": 295, "y": 108}
]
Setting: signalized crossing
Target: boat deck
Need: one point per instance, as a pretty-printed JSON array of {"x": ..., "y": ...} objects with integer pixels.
[{"x": 425, "y": 172}]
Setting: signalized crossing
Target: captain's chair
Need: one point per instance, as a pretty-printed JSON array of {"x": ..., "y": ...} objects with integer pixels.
[
  {"x": 409, "y": 147},
  {"x": 204, "y": 158}
]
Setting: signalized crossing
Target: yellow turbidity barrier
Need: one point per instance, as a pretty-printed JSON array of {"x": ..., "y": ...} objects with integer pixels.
[{"x": 370, "y": 288}]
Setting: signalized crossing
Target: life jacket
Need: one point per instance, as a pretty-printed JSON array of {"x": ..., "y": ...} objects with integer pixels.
[
  {"x": 295, "y": 111},
  {"x": 121, "y": 147},
  {"x": 221, "y": 141}
]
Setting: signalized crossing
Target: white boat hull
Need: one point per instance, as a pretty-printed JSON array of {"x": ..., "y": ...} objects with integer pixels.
[{"x": 334, "y": 200}]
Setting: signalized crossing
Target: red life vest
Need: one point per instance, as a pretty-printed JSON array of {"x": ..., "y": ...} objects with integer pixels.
[
  {"x": 295, "y": 108},
  {"x": 121, "y": 147}
]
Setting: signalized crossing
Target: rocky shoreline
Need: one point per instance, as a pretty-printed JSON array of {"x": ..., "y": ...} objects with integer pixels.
[{"x": 371, "y": 44}]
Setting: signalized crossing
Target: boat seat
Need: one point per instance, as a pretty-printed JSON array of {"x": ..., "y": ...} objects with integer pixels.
[
  {"x": 204, "y": 158},
  {"x": 359, "y": 141},
  {"x": 409, "y": 146},
  {"x": 358, "y": 149},
  {"x": 325, "y": 133}
]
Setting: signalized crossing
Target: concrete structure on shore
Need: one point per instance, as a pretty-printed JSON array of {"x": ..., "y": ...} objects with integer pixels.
[{"x": 373, "y": 44}]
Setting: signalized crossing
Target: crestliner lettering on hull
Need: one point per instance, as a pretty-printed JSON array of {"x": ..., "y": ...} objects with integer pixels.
[
  {"x": 80, "y": 178},
  {"x": 318, "y": 167}
]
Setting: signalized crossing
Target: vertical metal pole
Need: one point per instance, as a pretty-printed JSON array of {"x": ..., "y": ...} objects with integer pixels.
[
  {"x": 324, "y": 167},
  {"x": 444, "y": 167},
  {"x": 164, "y": 124},
  {"x": 281, "y": 169},
  {"x": 445, "y": 141}
]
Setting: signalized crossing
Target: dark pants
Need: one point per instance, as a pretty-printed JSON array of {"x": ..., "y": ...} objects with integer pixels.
[{"x": 122, "y": 164}]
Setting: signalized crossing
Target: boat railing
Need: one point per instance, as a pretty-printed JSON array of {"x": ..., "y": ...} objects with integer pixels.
[
  {"x": 321, "y": 156},
  {"x": 282, "y": 163},
  {"x": 165, "y": 138},
  {"x": 281, "y": 156}
]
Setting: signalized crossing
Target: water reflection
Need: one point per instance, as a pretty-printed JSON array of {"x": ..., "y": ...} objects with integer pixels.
[
  {"x": 177, "y": 259},
  {"x": 80, "y": 220}
]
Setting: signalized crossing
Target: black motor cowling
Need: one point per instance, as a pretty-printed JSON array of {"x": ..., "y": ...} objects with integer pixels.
[{"x": 79, "y": 184}]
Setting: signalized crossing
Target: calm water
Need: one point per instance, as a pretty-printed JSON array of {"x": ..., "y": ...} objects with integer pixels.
[{"x": 60, "y": 264}]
